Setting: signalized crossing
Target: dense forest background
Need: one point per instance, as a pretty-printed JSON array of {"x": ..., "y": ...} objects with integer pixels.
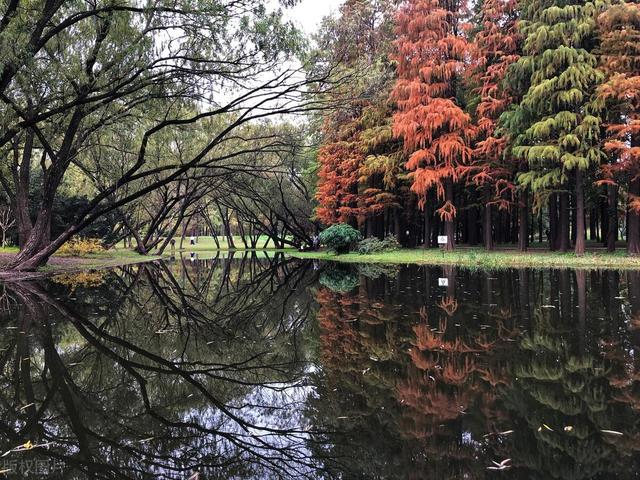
[{"x": 496, "y": 121}]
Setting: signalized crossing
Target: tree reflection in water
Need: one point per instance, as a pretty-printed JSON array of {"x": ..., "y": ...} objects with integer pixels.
[
  {"x": 527, "y": 372},
  {"x": 163, "y": 370},
  {"x": 218, "y": 368}
]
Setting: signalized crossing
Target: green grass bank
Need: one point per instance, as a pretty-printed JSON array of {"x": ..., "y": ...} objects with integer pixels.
[{"x": 482, "y": 259}]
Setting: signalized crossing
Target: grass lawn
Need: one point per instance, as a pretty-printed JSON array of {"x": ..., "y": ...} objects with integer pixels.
[
  {"x": 207, "y": 244},
  {"x": 482, "y": 259}
]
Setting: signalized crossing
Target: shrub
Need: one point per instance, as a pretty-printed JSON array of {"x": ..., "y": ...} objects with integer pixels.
[
  {"x": 340, "y": 238},
  {"x": 339, "y": 278},
  {"x": 377, "y": 270},
  {"x": 375, "y": 245},
  {"x": 78, "y": 247}
]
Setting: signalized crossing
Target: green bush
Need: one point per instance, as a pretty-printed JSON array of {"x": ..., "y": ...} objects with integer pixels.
[
  {"x": 375, "y": 245},
  {"x": 340, "y": 238},
  {"x": 339, "y": 278}
]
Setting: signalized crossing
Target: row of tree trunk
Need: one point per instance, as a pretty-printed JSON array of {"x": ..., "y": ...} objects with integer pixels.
[{"x": 478, "y": 221}]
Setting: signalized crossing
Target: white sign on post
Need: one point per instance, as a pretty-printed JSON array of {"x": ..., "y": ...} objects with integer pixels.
[
  {"x": 443, "y": 282},
  {"x": 442, "y": 239}
]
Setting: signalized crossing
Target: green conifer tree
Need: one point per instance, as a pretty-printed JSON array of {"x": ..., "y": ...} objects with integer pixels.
[{"x": 556, "y": 127}]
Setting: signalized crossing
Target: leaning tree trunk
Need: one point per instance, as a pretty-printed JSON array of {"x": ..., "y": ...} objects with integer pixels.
[
  {"x": 36, "y": 243},
  {"x": 633, "y": 235},
  {"x": 580, "y": 229}
]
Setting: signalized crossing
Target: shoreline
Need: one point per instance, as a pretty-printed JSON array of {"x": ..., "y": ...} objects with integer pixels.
[
  {"x": 70, "y": 265},
  {"x": 463, "y": 257},
  {"x": 63, "y": 265},
  {"x": 479, "y": 258}
]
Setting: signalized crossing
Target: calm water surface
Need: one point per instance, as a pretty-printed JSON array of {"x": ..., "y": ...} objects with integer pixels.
[{"x": 261, "y": 368}]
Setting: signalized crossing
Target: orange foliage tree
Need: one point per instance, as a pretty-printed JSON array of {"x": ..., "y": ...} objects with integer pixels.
[
  {"x": 359, "y": 159},
  {"x": 497, "y": 45},
  {"x": 431, "y": 55},
  {"x": 620, "y": 60},
  {"x": 340, "y": 161}
]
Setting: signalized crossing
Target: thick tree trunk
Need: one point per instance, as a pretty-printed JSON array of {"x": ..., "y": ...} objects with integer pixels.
[
  {"x": 37, "y": 240},
  {"x": 580, "y": 228},
  {"x": 523, "y": 217},
  {"x": 21, "y": 180},
  {"x": 612, "y": 214},
  {"x": 633, "y": 235},
  {"x": 563, "y": 231}
]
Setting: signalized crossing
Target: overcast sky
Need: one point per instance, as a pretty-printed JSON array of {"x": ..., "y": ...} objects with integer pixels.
[{"x": 309, "y": 13}]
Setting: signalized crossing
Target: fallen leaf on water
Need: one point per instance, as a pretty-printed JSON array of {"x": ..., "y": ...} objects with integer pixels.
[
  {"x": 568, "y": 428},
  {"x": 612, "y": 432},
  {"x": 27, "y": 406},
  {"x": 503, "y": 465}
]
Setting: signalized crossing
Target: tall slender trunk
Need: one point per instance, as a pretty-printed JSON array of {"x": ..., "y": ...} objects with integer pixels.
[
  {"x": 449, "y": 224},
  {"x": 563, "y": 231},
  {"x": 553, "y": 222},
  {"x": 472, "y": 220},
  {"x": 612, "y": 214},
  {"x": 633, "y": 235},
  {"x": 427, "y": 225},
  {"x": 523, "y": 217},
  {"x": 580, "y": 228},
  {"x": 487, "y": 226},
  {"x": 593, "y": 222},
  {"x": 604, "y": 218}
]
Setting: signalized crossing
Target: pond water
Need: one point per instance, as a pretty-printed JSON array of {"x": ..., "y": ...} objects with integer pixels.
[{"x": 267, "y": 367}]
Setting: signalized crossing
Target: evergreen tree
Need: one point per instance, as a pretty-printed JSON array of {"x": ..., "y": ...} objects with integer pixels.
[{"x": 556, "y": 127}]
